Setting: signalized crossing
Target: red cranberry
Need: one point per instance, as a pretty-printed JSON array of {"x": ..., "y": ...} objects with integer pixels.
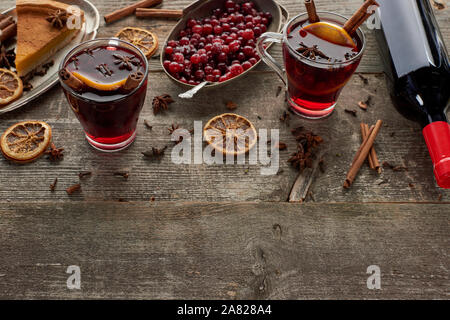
[
  {"x": 191, "y": 23},
  {"x": 184, "y": 41},
  {"x": 229, "y": 4},
  {"x": 249, "y": 25},
  {"x": 207, "y": 29},
  {"x": 208, "y": 47},
  {"x": 223, "y": 78},
  {"x": 195, "y": 58},
  {"x": 248, "y": 18},
  {"x": 217, "y": 48},
  {"x": 222, "y": 57},
  {"x": 222, "y": 67},
  {"x": 203, "y": 58},
  {"x": 225, "y": 49},
  {"x": 210, "y": 78},
  {"x": 246, "y": 65},
  {"x": 169, "y": 50},
  {"x": 263, "y": 28},
  {"x": 208, "y": 69},
  {"x": 235, "y": 46},
  {"x": 248, "y": 51},
  {"x": 166, "y": 64},
  {"x": 218, "y": 29},
  {"x": 174, "y": 68},
  {"x": 253, "y": 61},
  {"x": 199, "y": 74},
  {"x": 257, "y": 31},
  {"x": 197, "y": 29},
  {"x": 178, "y": 57},
  {"x": 172, "y": 43},
  {"x": 241, "y": 56},
  {"x": 215, "y": 22}
]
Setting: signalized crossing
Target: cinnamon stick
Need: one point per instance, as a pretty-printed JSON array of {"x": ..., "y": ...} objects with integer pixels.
[
  {"x": 9, "y": 32},
  {"x": 311, "y": 9},
  {"x": 129, "y": 10},
  {"x": 70, "y": 80},
  {"x": 374, "y": 163},
  {"x": 133, "y": 81},
  {"x": 361, "y": 15},
  {"x": 362, "y": 154},
  {"x": 5, "y": 21},
  {"x": 158, "y": 13}
]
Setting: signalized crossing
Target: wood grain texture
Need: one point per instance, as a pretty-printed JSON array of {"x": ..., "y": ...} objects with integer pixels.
[
  {"x": 224, "y": 250},
  {"x": 400, "y": 142}
]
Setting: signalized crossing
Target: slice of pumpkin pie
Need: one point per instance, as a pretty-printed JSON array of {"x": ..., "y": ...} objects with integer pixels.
[{"x": 43, "y": 28}]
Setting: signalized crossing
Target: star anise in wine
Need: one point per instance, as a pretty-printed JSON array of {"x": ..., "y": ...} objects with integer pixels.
[
  {"x": 55, "y": 153},
  {"x": 125, "y": 62},
  {"x": 6, "y": 58},
  {"x": 154, "y": 153},
  {"x": 161, "y": 103},
  {"x": 58, "y": 18},
  {"x": 311, "y": 52}
]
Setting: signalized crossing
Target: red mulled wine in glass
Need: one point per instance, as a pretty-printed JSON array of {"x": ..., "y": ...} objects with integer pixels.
[
  {"x": 106, "y": 105},
  {"x": 319, "y": 59}
]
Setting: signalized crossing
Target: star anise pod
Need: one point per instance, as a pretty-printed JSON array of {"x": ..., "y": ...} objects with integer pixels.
[
  {"x": 125, "y": 62},
  {"x": 55, "y": 153},
  {"x": 161, "y": 103},
  {"x": 307, "y": 141},
  {"x": 173, "y": 128},
  {"x": 58, "y": 18},
  {"x": 311, "y": 52},
  {"x": 154, "y": 153},
  {"x": 7, "y": 58}
]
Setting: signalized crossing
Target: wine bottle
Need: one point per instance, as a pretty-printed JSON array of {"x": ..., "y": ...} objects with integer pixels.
[{"x": 417, "y": 69}]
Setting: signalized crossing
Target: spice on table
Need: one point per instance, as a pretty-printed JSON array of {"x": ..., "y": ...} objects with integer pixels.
[
  {"x": 83, "y": 174},
  {"x": 161, "y": 103},
  {"x": 54, "y": 153},
  {"x": 158, "y": 13},
  {"x": 122, "y": 174},
  {"x": 374, "y": 163},
  {"x": 439, "y": 4},
  {"x": 364, "y": 79},
  {"x": 147, "y": 124},
  {"x": 281, "y": 146},
  {"x": 72, "y": 189},
  {"x": 351, "y": 111},
  {"x": 231, "y": 105},
  {"x": 311, "y": 9},
  {"x": 362, "y": 154},
  {"x": 393, "y": 167},
  {"x": 307, "y": 141},
  {"x": 129, "y": 10},
  {"x": 173, "y": 128},
  {"x": 362, "y": 105},
  {"x": 53, "y": 185},
  {"x": 285, "y": 117},
  {"x": 8, "y": 28},
  {"x": 155, "y": 153}
]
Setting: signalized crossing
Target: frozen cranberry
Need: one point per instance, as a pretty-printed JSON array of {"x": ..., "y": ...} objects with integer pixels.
[
  {"x": 217, "y": 48},
  {"x": 191, "y": 23},
  {"x": 229, "y": 4},
  {"x": 222, "y": 57},
  {"x": 216, "y": 72},
  {"x": 174, "y": 67},
  {"x": 200, "y": 45},
  {"x": 246, "y": 65},
  {"x": 215, "y": 22},
  {"x": 235, "y": 62},
  {"x": 235, "y": 46},
  {"x": 207, "y": 29},
  {"x": 263, "y": 28},
  {"x": 241, "y": 26},
  {"x": 239, "y": 18},
  {"x": 208, "y": 69},
  {"x": 240, "y": 56},
  {"x": 168, "y": 50},
  {"x": 225, "y": 27},
  {"x": 208, "y": 47},
  {"x": 195, "y": 58},
  {"x": 203, "y": 58},
  {"x": 251, "y": 43},
  {"x": 248, "y": 18},
  {"x": 218, "y": 29},
  {"x": 223, "y": 78},
  {"x": 172, "y": 43},
  {"x": 166, "y": 64},
  {"x": 222, "y": 67},
  {"x": 264, "y": 21},
  {"x": 210, "y": 78},
  {"x": 184, "y": 41},
  {"x": 257, "y": 31},
  {"x": 199, "y": 74},
  {"x": 234, "y": 29},
  {"x": 183, "y": 33},
  {"x": 249, "y": 25},
  {"x": 225, "y": 49},
  {"x": 192, "y": 82},
  {"x": 201, "y": 51},
  {"x": 197, "y": 29},
  {"x": 210, "y": 38},
  {"x": 178, "y": 57},
  {"x": 253, "y": 61},
  {"x": 248, "y": 51}
]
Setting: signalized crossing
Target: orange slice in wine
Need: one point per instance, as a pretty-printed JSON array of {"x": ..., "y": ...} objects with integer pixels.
[
  {"x": 230, "y": 133},
  {"x": 11, "y": 87},
  {"x": 143, "y": 39},
  {"x": 100, "y": 86},
  {"x": 25, "y": 141},
  {"x": 331, "y": 33}
]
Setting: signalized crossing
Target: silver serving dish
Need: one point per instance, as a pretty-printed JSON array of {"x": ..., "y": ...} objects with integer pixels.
[
  {"x": 42, "y": 84},
  {"x": 203, "y": 8}
]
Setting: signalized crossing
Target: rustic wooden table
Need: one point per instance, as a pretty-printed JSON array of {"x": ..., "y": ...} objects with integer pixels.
[{"x": 226, "y": 232}]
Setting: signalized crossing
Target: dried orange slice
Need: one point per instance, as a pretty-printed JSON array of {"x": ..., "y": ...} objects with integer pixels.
[
  {"x": 230, "y": 133},
  {"x": 25, "y": 141},
  {"x": 331, "y": 33},
  {"x": 143, "y": 39},
  {"x": 100, "y": 86},
  {"x": 11, "y": 87}
]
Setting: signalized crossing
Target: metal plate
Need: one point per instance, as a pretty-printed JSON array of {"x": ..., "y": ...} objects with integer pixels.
[
  {"x": 203, "y": 8},
  {"x": 42, "y": 84}
]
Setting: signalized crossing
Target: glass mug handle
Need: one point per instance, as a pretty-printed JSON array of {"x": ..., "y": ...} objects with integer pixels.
[{"x": 266, "y": 57}]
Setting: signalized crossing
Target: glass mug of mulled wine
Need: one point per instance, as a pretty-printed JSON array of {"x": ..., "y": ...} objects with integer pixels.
[
  {"x": 318, "y": 59},
  {"x": 105, "y": 82}
]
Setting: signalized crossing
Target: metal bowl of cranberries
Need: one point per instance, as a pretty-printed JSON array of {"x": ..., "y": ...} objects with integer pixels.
[{"x": 214, "y": 43}]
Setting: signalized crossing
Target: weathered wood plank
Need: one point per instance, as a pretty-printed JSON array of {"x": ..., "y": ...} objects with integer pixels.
[
  {"x": 224, "y": 251},
  {"x": 400, "y": 143},
  {"x": 370, "y": 63}
]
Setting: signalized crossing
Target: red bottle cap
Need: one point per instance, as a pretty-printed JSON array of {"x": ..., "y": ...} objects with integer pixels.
[{"x": 437, "y": 137}]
